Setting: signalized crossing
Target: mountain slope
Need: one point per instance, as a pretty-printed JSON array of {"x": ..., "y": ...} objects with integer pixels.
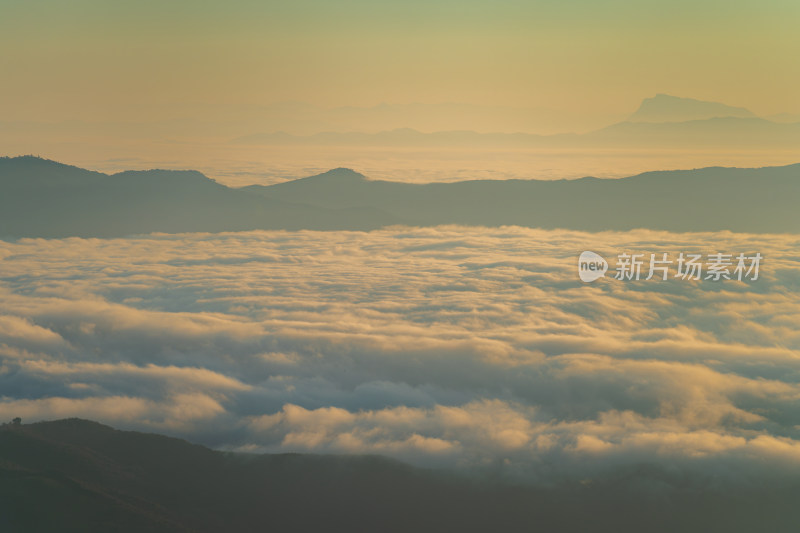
[
  {"x": 77, "y": 475},
  {"x": 27, "y": 173}
]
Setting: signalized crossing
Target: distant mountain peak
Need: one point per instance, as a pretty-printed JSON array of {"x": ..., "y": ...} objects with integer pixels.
[
  {"x": 667, "y": 108},
  {"x": 340, "y": 174}
]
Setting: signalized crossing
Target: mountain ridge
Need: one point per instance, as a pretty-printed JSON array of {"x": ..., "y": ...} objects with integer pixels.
[
  {"x": 132, "y": 203},
  {"x": 710, "y": 131},
  {"x": 656, "y": 116}
]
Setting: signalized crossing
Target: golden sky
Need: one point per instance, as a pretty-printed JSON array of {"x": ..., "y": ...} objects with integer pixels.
[{"x": 112, "y": 60}]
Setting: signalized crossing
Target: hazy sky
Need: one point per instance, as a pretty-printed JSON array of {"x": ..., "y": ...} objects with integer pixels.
[{"x": 102, "y": 60}]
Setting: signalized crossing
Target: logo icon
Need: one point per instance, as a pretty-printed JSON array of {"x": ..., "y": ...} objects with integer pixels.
[{"x": 591, "y": 266}]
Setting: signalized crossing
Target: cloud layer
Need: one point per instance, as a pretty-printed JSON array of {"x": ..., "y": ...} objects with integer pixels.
[{"x": 477, "y": 348}]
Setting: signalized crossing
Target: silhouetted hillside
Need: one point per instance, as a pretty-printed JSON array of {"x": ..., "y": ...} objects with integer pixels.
[
  {"x": 29, "y": 173},
  {"x": 41, "y": 198},
  {"x": 746, "y": 200},
  {"x": 76, "y": 475}
]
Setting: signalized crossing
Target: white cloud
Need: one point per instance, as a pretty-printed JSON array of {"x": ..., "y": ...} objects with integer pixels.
[{"x": 446, "y": 345}]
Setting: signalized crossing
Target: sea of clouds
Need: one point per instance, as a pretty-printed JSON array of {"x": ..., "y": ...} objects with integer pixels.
[{"x": 475, "y": 348}]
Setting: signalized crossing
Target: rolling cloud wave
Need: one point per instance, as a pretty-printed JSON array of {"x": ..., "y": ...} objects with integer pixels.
[{"x": 469, "y": 347}]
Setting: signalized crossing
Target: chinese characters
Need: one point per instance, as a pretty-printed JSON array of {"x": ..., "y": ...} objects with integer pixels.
[{"x": 688, "y": 266}]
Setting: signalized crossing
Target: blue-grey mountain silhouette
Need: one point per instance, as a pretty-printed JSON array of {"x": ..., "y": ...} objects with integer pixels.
[
  {"x": 40, "y": 198},
  {"x": 746, "y": 200}
]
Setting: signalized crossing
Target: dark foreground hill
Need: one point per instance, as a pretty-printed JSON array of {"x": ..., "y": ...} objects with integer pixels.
[
  {"x": 76, "y": 475},
  {"x": 40, "y": 198}
]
